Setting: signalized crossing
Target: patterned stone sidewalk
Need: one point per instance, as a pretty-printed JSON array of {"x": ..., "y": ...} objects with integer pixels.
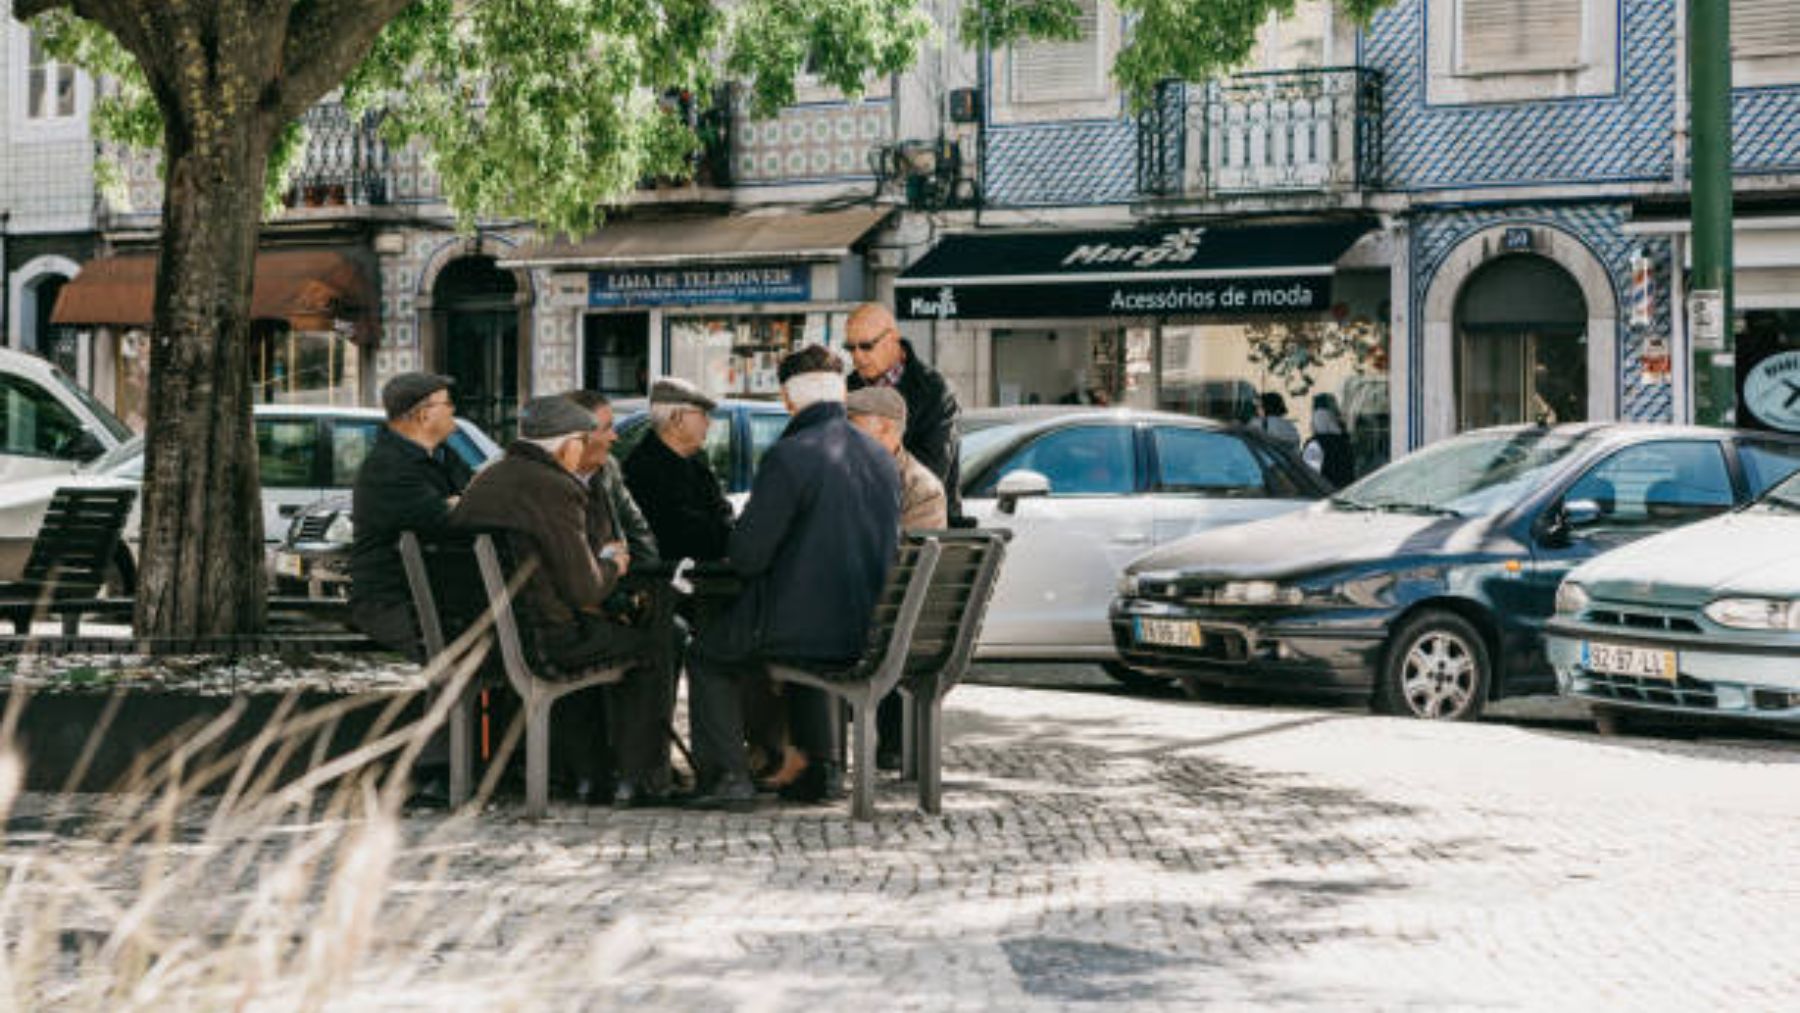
[{"x": 1102, "y": 849}]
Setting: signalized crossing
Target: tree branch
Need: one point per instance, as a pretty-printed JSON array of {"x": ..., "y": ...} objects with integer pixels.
[{"x": 326, "y": 39}]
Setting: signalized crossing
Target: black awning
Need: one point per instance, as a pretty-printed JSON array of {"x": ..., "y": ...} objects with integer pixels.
[{"x": 1174, "y": 270}]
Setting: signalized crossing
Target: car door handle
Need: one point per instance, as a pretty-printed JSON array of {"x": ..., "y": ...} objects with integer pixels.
[
  {"x": 1131, "y": 538},
  {"x": 288, "y": 509}
]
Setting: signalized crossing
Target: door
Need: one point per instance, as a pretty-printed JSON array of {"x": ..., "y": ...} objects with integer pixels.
[
  {"x": 482, "y": 353},
  {"x": 1068, "y": 548},
  {"x": 615, "y": 354},
  {"x": 1207, "y": 479}
]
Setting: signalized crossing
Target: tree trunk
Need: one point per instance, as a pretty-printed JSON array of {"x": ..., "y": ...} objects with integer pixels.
[{"x": 202, "y": 567}]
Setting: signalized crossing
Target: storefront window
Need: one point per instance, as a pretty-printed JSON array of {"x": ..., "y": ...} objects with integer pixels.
[
  {"x": 1326, "y": 372},
  {"x": 736, "y": 355},
  {"x": 1069, "y": 364},
  {"x": 305, "y": 367}
]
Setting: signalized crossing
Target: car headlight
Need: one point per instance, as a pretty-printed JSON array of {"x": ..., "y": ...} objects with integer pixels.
[
  {"x": 341, "y": 529},
  {"x": 1128, "y": 585},
  {"x": 1258, "y": 592},
  {"x": 1755, "y": 613},
  {"x": 1571, "y": 599}
]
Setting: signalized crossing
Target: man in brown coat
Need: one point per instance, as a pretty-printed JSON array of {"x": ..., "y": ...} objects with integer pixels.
[
  {"x": 881, "y": 412},
  {"x": 534, "y": 495}
]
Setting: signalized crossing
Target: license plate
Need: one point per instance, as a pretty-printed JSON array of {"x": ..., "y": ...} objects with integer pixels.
[
  {"x": 289, "y": 565},
  {"x": 1617, "y": 659},
  {"x": 1170, "y": 632}
]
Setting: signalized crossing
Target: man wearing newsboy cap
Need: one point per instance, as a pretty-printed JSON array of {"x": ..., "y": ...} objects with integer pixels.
[
  {"x": 533, "y": 493},
  {"x": 672, "y": 481}
]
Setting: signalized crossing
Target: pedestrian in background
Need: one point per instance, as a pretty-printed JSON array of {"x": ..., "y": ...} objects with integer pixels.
[
  {"x": 882, "y": 358},
  {"x": 1328, "y": 451},
  {"x": 1272, "y": 420}
]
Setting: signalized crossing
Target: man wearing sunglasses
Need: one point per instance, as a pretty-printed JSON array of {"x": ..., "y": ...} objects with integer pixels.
[{"x": 882, "y": 358}]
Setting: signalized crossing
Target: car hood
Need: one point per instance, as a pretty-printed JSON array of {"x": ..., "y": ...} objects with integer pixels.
[
  {"x": 1319, "y": 537},
  {"x": 1753, "y": 552}
]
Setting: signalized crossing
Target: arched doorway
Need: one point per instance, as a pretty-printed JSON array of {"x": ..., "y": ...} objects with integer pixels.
[
  {"x": 480, "y": 346},
  {"x": 1521, "y": 345}
]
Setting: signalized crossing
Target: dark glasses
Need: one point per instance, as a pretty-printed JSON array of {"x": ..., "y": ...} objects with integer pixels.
[{"x": 869, "y": 345}]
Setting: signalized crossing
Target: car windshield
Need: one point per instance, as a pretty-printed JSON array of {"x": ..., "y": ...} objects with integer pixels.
[
  {"x": 1784, "y": 498},
  {"x": 118, "y": 429},
  {"x": 982, "y": 441},
  {"x": 1471, "y": 475}
]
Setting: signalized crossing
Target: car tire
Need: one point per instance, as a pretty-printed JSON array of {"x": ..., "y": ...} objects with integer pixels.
[
  {"x": 1134, "y": 680},
  {"x": 1437, "y": 669}
]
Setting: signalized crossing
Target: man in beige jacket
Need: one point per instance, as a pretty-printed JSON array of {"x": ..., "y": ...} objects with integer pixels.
[{"x": 881, "y": 412}]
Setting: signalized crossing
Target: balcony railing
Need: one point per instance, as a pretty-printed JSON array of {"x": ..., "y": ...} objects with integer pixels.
[
  {"x": 346, "y": 161},
  {"x": 1304, "y": 131}
]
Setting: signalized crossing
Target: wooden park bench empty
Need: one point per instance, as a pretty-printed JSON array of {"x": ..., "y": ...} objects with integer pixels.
[
  {"x": 921, "y": 641},
  {"x": 455, "y": 582},
  {"x": 70, "y": 556}
]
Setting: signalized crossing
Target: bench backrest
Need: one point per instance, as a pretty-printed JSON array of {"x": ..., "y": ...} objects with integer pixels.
[
  {"x": 963, "y": 567},
  {"x": 78, "y": 540},
  {"x": 452, "y": 589}
]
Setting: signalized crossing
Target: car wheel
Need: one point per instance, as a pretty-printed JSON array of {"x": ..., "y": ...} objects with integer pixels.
[
  {"x": 1437, "y": 669},
  {"x": 1133, "y": 679}
]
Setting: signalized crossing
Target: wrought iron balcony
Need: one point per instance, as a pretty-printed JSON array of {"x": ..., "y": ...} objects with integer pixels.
[
  {"x": 1302, "y": 131},
  {"x": 346, "y": 161},
  {"x": 709, "y": 167}
]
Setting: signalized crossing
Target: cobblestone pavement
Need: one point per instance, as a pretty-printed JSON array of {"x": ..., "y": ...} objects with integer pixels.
[{"x": 1153, "y": 853}]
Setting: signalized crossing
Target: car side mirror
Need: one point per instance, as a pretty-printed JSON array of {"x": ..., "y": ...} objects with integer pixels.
[
  {"x": 83, "y": 446},
  {"x": 1018, "y": 485},
  {"x": 1569, "y": 516}
]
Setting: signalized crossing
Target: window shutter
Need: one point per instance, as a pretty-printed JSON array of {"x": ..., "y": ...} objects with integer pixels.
[
  {"x": 1500, "y": 35},
  {"x": 1765, "y": 27},
  {"x": 1061, "y": 71}
]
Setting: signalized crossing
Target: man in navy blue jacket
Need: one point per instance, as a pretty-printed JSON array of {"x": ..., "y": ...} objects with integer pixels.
[{"x": 813, "y": 548}]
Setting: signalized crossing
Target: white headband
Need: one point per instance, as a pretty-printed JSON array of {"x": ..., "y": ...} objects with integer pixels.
[{"x": 808, "y": 389}]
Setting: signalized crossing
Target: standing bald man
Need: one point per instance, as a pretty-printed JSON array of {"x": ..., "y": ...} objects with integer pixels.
[{"x": 882, "y": 358}]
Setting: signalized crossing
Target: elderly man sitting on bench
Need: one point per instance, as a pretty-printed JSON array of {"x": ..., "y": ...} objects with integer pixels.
[{"x": 533, "y": 493}]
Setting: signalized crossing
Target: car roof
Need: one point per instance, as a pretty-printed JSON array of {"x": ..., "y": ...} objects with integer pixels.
[
  {"x": 1629, "y": 432},
  {"x": 1041, "y": 416},
  {"x": 633, "y": 405}
]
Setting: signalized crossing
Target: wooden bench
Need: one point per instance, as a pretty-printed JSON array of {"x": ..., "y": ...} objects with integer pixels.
[
  {"x": 455, "y": 582},
  {"x": 70, "y": 557},
  {"x": 921, "y": 641}
]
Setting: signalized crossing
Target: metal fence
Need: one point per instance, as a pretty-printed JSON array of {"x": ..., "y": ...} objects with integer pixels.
[{"x": 1305, "y": 131}]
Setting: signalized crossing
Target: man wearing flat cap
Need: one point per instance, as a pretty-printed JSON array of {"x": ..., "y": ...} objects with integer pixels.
[
  {"x": 671, "y": 479},
  {"x": 408, "y": 482},
  {"x": 881, "y": 412},
  {"x": 533, "y": 493}
]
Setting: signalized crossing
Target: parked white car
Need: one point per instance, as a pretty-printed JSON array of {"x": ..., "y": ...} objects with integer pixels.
[
  {"x": 306, "y": 452},
  {"x": 1086, "y": 491},
  {"x": 48, "y": 424}
]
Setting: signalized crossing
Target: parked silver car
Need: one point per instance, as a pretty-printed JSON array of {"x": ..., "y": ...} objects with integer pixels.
[
  {"x": 1087, "y": 490},
  {"x": 1700, "y": 621}
]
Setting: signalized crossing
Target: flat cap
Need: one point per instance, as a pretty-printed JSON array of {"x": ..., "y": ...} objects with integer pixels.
[
  {"x": 554, "y": 415},
  {"x": 404, "y": 392},
  {"x": 675, "y": 390},
  {"x": 883, "y": 401}
]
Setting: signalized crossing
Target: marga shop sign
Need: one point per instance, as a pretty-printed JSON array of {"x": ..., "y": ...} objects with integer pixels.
[{"x": 712, "y": 283}]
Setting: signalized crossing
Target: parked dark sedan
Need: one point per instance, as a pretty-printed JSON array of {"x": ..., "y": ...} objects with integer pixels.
[{"x": 1429, "y": 582}]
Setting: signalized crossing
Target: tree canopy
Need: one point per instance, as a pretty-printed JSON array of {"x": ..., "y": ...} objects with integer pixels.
[{"x": 544, "y": 110}]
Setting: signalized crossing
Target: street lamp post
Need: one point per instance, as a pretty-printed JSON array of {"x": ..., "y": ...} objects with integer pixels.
[
  {"x": 5, "y": 281},
  {"x": 1710, "y": 315}
]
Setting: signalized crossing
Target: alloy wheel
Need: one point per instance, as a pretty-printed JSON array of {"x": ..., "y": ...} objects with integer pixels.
[{"x": 1439, "y": 678}]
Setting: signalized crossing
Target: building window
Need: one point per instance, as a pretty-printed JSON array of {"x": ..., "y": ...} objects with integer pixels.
[
  {"x": 1073, "y": 71},
  {"x": 49, "y": 85},
  {"x": 1508, "y": 36},
  {"x": 736, "y": 354},
  {"x": 1762, "y": 28}
]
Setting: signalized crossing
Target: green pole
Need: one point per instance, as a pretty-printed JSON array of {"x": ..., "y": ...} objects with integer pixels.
[{"x": 1709, "y": 130}]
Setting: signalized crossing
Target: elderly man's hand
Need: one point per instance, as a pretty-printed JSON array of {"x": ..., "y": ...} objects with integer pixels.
[{"x": 619, "y": 555}]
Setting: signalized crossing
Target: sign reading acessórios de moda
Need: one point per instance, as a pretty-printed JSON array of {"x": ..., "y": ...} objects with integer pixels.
[{"x": 1185, "y": 297}]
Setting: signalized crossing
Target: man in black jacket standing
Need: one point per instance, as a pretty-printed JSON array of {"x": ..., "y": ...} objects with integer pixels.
[
  {"x": 408, "y": 482},
  {"x": 670, "y": 478},
  {"x": 882, "y": 358},
  {"x": 813, "y": 548}
]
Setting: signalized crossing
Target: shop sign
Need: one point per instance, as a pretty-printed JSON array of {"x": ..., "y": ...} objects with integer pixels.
[
  {"x": 1215, "y": 297},
  {"x": 1706, "y": 319},
  {"x": 1772, "y": 391},
  {"x": 1655, "y": 363},
  {"x": 715, "y": 283}
]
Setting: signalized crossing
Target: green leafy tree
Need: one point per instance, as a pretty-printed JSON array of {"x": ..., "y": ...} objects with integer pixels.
[{"x": 543, "y": 110}]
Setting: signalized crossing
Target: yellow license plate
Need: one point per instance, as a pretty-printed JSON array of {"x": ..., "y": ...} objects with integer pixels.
[
  {"x": 1170, "y": 633},
  {"x": 1618, "y": 659},
  {"x": 289, "y": 565}
]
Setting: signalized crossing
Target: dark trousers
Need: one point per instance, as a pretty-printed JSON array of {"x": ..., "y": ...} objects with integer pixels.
[
  {"x": 391, "y": 624},
  {"x": 716, "y": 715},
  {"x": 624, "y": 726}
]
